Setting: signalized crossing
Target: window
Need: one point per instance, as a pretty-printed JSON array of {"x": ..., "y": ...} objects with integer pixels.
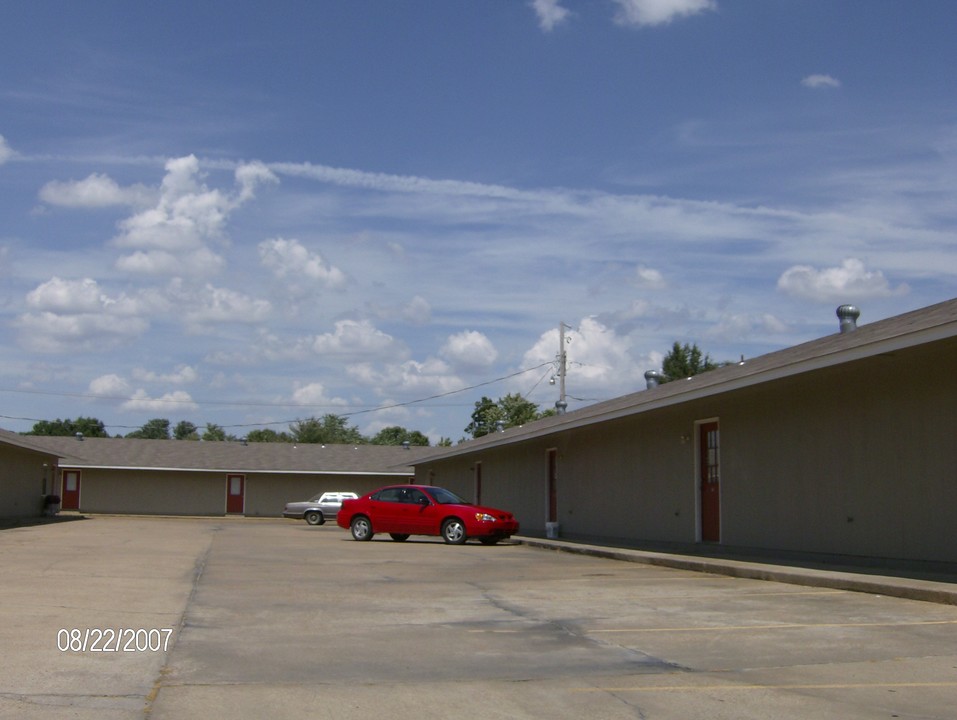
[
  {"x": 390, "y": 495},
  {"x": 417, "y": 497}
]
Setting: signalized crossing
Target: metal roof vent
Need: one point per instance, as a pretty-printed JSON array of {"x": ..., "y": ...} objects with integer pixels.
[
  {"x": 847, "y": 315},
  {"x": 79, "y": 436},
  {"x": 653, "y": 379}
]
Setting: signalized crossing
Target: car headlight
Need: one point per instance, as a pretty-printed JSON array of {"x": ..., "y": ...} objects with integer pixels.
[{"x": 484, "y": 517}]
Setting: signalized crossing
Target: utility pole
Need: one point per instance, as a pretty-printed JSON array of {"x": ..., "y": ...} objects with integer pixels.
[{"x": 561, "y": 405}]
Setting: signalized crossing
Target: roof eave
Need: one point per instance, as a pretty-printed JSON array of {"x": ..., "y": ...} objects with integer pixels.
[
  {"x": 582, "y": 418},
  {"x": 248, "y": 471}
]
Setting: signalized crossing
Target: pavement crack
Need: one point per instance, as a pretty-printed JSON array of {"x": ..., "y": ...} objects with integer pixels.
[
  {"x": 572, "y": 630},
  {"x": 199, "y": 567}
]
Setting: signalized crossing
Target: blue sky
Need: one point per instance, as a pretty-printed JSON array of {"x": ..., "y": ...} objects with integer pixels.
[{"x": 246, "y": 214}]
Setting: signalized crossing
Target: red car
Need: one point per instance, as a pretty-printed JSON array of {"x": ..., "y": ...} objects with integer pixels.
[{"x": 404, "y": 510}]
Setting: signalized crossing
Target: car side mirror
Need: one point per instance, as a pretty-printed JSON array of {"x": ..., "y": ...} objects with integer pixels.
[{"x": 424, "y": 502}]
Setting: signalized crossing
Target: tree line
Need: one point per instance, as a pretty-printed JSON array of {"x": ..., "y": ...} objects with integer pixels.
[
  {"x": 488, "y": 416},
  {"x": 330, "y": 428}
]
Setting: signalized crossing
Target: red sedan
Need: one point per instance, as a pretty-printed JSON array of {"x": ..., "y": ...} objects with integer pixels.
[{"x": 404, "y": 510}]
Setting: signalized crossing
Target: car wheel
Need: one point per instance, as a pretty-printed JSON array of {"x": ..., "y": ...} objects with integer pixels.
[
  {"x": 314, "y": 517},
  {"x": 489, "y": 540},
  {"x": 399, "y": 537},
  {"x": 453, "y": 531},
  {"x": 361, "y": 528}
]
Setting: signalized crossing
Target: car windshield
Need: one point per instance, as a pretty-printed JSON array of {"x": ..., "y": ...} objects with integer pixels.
[{"x": 446, "y": 497}]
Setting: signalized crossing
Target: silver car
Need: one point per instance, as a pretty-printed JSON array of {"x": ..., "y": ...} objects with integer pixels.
[{"x": 316, "y": 509}]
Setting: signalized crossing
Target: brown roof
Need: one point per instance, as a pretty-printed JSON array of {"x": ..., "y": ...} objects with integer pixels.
[
  {"x": 225, "y": 456},
  {"x": 937, "y": 322},
  {"x": 24, "y": 443}
]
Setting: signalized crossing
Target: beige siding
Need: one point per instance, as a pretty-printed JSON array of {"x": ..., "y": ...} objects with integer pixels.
[
  {"x": 629, "y": 479},
  {"x": 162, "y": 492},
  {"x": 858, "y": 459},
  {"x": 24, "y": 480},
  {"x": 266, "y": 493},
  {"x": 632, "y": 478},
  {"x": 152, "y": 492}
]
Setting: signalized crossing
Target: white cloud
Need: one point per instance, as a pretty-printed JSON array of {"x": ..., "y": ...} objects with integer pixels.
[
  {"x": 182, "y": 375},
  {"x": 251, "y": 175},
  {"x": 848, "y": 283},
  {"x": 288, "y": 258},
  {"x": 6, "y": 152},
  {"x": 742, "y": 326},
  {"x": 68, "y": 296},
  {"x": 649, "y": 279},
  {"x": 315, "y": 394},
  {"x": 658, "y": 12},
  {"x": 469, "y": 350},
  {"x": 390, "y": 417},
  {"x": 702, "y": 248},
  {"x": 417, "y": 311},
  {"x": 347, "y": 177},
  {"x": 95, "y": 191},
  {"x": 410, "y": 378},
  {"x": 217, "y": 305},
  {"x": 636, "y": 310},
  {"x": 550, "y": 13},
  {"x": 599, "y": 360},
  {"x": 48, "y": 332},
  {"x": 78, "y": 297},
  {"x": 354, "y": 337},
  {"x": 114, "y": 386},
  {"x": 109, "y": 386},
  {"x": 177, "y": 401},
  {"x": 820, "y": 81},
  {"x": 201, "y": 262},
  {"x": 187, "y": 216}
]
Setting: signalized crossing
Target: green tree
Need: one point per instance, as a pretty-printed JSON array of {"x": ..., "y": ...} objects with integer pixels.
[
  {"x": 518, "y": 410},
  {"x": 88, "y": 426},
  {"x": 267, "y": 435},
  {"x": 684, "y": 361},
  {"x": 507, "y": 412},
  {"x": 155, "y": 429},
  {"x": 396, "y": 435},
  {"x": 331, "y": 429},
  {"x": 185, "y": 430},
  {"x": 214, "y": 433},
  {"x": 485, "y": 417}
]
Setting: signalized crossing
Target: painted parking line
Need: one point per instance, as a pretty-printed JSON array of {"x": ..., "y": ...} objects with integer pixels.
[
  {"x": 775, "y": 626},
  {"x": 735, "y": 595},
  {"x": 781, "y": 686}
]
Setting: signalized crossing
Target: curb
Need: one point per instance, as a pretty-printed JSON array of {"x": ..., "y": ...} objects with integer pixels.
[{"x": 944, "y": 593}]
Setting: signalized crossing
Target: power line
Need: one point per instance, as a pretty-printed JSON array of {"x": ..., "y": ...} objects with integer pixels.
[
  {"x": 450, "y": 392},
  {"x": 371, "y": 409}
]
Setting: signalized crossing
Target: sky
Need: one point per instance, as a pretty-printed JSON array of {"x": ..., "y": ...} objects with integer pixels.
[{"x": 250, "y": 213}]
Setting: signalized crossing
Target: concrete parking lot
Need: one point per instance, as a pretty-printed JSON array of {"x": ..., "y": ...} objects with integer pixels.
[{"x": 273, "y": 618}]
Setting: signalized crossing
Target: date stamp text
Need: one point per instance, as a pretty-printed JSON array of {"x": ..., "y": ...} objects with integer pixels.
[{"x": 113, "y": 639}]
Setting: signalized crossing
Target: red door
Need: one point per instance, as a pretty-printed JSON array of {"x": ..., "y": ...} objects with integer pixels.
[
  {"x": 710, "y": 447},
  {"x": 422, "y": 514},
  {"x": 70, "y": 494},
  {"x": 389, "y": 512},
  {"x": 235, "y": 493}
]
